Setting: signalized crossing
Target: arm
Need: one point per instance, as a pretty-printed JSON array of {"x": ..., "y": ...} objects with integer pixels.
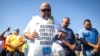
[
  {"x": 27, "y": 35},
  {"x": 8, "y": 42},
  {"x": 87, "y": 43},
  {"x": 70, "y": 46},
  {"x": 99, "y": 41},
  {"x": 2, "y": 34},
  {"x": 83, "y": 41},
  {"x": 30, "y": 36},
  {"x": 8, "y": 29},
  {"x": 97, "y": 46},
  {"x": 20, "y": 44},
  {"x": 94, "y": 46},
  {"x": 22, "y": 41},
  {"x": 31, "y": 27}
]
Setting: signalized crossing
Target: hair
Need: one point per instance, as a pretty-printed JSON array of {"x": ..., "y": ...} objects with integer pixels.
[
  {"x": 16, "y": 29},
  {"x": 77, "y": 34},
  {"x": 67, "y": 18},
  {"x": 87, "y": 20}
]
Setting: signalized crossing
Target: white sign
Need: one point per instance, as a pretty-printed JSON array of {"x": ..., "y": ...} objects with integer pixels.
[{"x": 46, "y": 34}]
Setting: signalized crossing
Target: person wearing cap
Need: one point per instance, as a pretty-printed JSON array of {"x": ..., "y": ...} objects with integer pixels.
[
  {"x": 14, "y": 43},
  {"x": 67, "y": 41},
  {"x": 38, "y": 46}
]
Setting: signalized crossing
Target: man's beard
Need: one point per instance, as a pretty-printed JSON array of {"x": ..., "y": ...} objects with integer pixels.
[
  {"x": 46, "y": 17},
  {"x": 89, "y": 28}
]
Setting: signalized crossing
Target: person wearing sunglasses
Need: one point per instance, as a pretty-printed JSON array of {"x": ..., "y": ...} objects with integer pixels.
[{"x": 40, "y": 32}]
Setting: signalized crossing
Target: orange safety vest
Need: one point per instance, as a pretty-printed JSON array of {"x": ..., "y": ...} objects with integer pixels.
[{"x": 4, "y": 43}]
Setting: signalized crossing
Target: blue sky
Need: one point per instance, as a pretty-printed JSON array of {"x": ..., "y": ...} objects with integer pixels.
[{"x": 17, "y": 13}]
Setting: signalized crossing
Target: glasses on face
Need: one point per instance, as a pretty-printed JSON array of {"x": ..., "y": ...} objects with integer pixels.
[{"x": 44, "y": 10}]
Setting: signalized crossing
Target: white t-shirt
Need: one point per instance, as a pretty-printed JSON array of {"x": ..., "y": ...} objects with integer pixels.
[{"x": 42, "y": 44}]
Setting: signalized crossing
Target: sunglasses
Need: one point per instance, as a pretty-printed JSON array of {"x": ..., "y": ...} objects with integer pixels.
[{"x": 44, "y": 10}]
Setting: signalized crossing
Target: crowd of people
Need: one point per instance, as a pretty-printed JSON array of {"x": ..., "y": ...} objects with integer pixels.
[{"x": 44, "y": 36}]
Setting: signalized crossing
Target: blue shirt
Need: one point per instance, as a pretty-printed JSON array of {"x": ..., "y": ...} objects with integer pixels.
[
  {"x": 70, "y": 38},
  {"x": 90, "y": 36}
]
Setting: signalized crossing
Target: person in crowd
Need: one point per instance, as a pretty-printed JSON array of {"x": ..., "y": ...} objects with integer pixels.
[
  {"x": 25, "y": 48},
  {"x": 14, "y": 43},
  {"x": 57, "y": 48},
  {"x": 89, "y": 37},
  {"x": 3, "y": 43},
  {"x": 78, "y": 45},
  {"x": 67, "y": 41},
  {"x": 39, "y": 45}
]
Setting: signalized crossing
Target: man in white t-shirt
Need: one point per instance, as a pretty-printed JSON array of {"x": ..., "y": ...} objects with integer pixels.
[{"x": 40, "y": 31}]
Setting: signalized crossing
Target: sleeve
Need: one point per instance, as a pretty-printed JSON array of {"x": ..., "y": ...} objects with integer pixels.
[
  {"x": 31, "y": 25},
  {"x": 97, "y": 33},
  {"x": 8, "y": 38},
  {"x": 22, "y": 38},
  {"x": 27, "y": 29},
  {"x": 80, "y": 34},
  {"x": 4, "y": 38},
  {"x": 57, "y": 28},
  {"x": 73, "y": 36}
]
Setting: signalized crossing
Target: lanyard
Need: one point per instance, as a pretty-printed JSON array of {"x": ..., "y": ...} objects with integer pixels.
[{"x": 50, "y": 20}]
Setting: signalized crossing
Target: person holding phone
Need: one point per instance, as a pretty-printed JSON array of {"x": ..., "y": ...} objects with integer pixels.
[{"x": 3, "y": 43}]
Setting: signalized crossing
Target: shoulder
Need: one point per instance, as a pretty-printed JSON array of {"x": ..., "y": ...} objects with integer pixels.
[
  {"x": 9, "y": 37},
  {"x": 69, "y": 29},
  {"x": 21, "y": 37},
  {"x": 35, "y": 18},
  {"x": 94, "y": 29},
  {"x": 4, "y": 37},
  {"x": 57, "y": 24},
  {"x": 82, "y": 30}
]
